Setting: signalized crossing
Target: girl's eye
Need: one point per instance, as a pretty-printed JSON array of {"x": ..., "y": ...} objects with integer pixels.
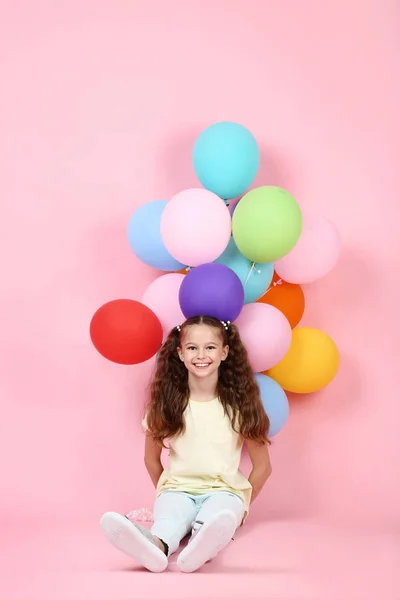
[{"x": 194, "y": 347}]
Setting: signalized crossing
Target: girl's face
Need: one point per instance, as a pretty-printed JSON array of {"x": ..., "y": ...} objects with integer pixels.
[{"x": 202, "y": 350}]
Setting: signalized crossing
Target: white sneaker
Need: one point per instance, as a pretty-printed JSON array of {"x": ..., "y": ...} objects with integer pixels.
[
  {"x": 208, "y": 541},
  {"x": 134, "y": 540}
]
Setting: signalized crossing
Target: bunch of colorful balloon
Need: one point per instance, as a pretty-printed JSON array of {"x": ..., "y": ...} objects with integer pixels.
[{"x": 238, "y": 260}]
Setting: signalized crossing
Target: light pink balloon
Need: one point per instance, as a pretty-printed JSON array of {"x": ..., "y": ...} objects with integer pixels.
[
  {"x": 195, "y": 227},
  {"x": 315, "y": 254},
  {"x": 266, "y": 333},
  {"x": 162, "y": 296}
]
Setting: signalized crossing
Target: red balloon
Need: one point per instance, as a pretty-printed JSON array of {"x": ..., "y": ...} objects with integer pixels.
[{"x": 126, "y": 332}]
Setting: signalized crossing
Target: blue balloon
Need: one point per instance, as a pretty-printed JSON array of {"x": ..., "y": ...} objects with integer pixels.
[
  {"x": 255, "y": 280},
  {"x": 275, "y": 402},
  {"x": 226, "y": 158},
  {"x": 145, "y": 240}
]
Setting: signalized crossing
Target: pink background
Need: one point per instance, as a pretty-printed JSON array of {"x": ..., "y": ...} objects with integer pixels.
[{"x": 101, "y": 102}]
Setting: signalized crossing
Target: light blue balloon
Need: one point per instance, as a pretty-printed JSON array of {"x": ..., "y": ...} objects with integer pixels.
[
  {"x": 145, "y": 240},
  {"x": 226, "y": 158},
  {"x": 275, "y": 403},
  {"x": 255, "y": 280}
]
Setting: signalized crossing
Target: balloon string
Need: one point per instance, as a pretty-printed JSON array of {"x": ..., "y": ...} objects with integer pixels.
[
  {"x": 279, "y": 282},
  {"x": 252, "y": 267}
]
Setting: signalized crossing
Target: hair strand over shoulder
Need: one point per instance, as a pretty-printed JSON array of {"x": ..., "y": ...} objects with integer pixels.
[{"x": 237, "y": 387}]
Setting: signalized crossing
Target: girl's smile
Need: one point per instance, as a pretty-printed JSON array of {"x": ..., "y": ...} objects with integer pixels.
[{"x": 202, "y": 350}]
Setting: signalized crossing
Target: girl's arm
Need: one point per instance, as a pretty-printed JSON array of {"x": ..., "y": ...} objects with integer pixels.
[
  {"x": 259, "y": 457},
  {"x": 152, "y": 458}
]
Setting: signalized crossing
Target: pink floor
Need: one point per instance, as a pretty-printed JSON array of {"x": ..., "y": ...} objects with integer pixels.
[{"x": 276, "y": 560}]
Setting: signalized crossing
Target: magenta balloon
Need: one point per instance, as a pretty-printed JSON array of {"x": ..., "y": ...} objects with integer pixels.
[{"x": 214, "y": 290}]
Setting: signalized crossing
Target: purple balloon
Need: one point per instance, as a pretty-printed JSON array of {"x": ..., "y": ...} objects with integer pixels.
[
  {"x": 214, "y": 290},
  {"x": 232, "y": 207}
]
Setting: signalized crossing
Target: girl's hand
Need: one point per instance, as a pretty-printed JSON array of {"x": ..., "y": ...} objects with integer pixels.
[{"x": 262, "y": 469}]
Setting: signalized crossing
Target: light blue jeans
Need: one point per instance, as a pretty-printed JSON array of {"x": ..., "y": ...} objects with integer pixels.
[{"x": 176, "y": 514}]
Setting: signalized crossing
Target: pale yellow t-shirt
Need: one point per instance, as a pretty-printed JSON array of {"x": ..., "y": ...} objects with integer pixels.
[{"x": 206, "y": 457}]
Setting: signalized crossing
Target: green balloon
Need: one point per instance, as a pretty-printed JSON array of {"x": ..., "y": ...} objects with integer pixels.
[{"x": 266, "y": 224}]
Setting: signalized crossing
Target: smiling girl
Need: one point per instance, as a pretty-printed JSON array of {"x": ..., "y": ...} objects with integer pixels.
[{"x": 204, "y": 404}]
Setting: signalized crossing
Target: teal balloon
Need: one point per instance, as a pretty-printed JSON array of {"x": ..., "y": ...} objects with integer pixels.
[
  {"x": 145, "y": 239},
  {"x": 226, "y": 158},
  {"x": 274, "y": 401},
  {"x": 255, "y": 280}
]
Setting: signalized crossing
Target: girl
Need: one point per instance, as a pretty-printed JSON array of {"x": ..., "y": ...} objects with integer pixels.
[{"x": 204, "y": 402}]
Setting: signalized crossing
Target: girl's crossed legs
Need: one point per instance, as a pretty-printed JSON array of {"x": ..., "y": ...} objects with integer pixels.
[{"x": 212, "y": 519}]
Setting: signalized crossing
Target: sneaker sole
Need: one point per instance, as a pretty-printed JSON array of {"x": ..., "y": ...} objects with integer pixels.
[
  {"x": 126, "y": 537},
  {"x": 211, "y": 539}
]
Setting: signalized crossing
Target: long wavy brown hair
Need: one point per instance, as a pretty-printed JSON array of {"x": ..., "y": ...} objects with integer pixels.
[{"x": 237, "y": 388}]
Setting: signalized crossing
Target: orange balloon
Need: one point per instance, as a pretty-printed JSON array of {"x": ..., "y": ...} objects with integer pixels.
[
  {"x": 287, "y": 297},
  {"x": 183, "y": 271}
]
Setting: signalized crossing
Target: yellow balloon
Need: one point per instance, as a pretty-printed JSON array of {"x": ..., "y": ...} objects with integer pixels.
[{"x": 311, "y": 363}]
